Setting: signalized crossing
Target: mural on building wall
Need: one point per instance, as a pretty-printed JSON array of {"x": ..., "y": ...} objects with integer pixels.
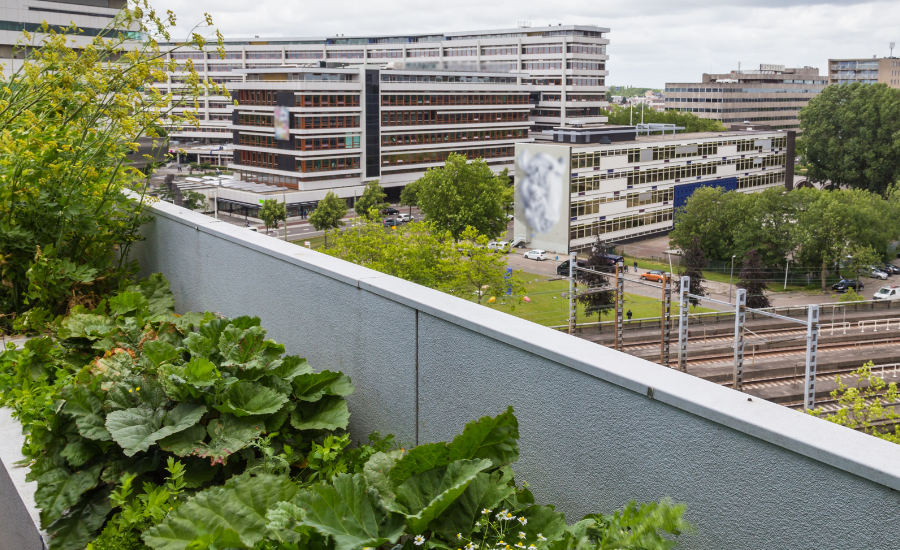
[
  {"x": 541, "y": 191},
  {"x": 282, "y": 123}
]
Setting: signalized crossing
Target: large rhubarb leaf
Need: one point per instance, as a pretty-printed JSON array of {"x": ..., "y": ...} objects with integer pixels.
[
  {"x": 228, "y": 435},
  {"x": 86, "y": 408},
  {"x": 290, "y": 367},
  {"x": 125, "y": 303},
  {"x": 349, "y": 513},
  {"x": 493, "y": 438},
  {"x": 79, "y": 526},
  {"x": 238, "y": 346},
  {"x": 78, "y": 451},
  {"x": 137, "y": 428},
  {"x": 377, "y": 473},
  {"x": 60, "y": 488},
  {"x": 328, "y": 414},
  {"x": 485, "y": 492},
  {"x": 425, "y": 496},
  {"x": 155, "y": 289},
  {"x": 200, "y": 372},
  {"x": 420, "y": 459},
  {"x": 235, "y": 510},
  {"x": 156, "y": 353},
  {"x": 247, "y": 399},
  {"x": 312, "y": 387}
]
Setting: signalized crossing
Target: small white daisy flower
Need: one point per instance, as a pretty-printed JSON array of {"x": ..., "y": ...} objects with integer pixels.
[
  {"x": 523, "y": 521},
  {"x": 541, "y": 537},
  {"x": 521, "y": 534},
  {"x": 419, "y": 540}
]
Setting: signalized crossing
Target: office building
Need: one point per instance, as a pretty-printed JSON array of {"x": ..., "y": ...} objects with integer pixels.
[
  {"x": 865, "y": 71},
  {"x": 91, "y": 17},
  {"x": 610, "y": 182},
  {"x": 564, "y": 65},
  {"x": 772, "y": 95}
]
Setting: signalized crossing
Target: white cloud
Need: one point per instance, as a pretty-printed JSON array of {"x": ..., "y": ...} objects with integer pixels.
[{"x": 652, "y": 42}]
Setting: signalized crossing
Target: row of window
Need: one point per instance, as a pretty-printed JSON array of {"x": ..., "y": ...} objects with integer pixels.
[
  {"x": 758, "y": 180},
  {"x": 200, "y": 104},
  {"x": 339, "y": 121},
  {"x": 485, "y": 99},
  {"x": 654, "y": 175},
  {"x": 592, "y": 206},
  {"x": 261, "y": 160},
  {"x": 573, "y": 97},
  {"x": 758, "y": 162},
  {"x": 541, "y": 65},
  {"x": 620, "y": 224},
  {"x": 202, "y": 129},
  {"x": 252, "y": 119},
  {"x": 256, "y": 97},
  {"x": 579, "y": 65},
  {"x": 329, "y": 143},
  {"x": 586, "y": 208},
  {"x": 590, "y": 159},
  {"x": 324, "y": 165},
  {"x": 440, "y": 156},
  {"x": 416, "y": 118},
  {"x": 451, "y": 137},
  {"x": 334, "y": 100},
  {"x": 583, "y": 81},
  {"x": 448, "y": 79},
  {"x": 737, "y": 99},
  {"x": 727, "y": 90},
  {"x": 258, "y": 141}
]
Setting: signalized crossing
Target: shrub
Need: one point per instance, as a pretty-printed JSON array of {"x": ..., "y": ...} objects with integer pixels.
[{"x": 118, "y": 392}]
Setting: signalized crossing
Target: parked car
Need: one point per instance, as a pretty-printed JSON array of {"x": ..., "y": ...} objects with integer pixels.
[
  {"x": 844, "y": 284},
  {"x": 539, "y": 255},
  {"x": 890, "y": 292},
  {"x": 502, "y": 246},
  {"x": 390, "y": 212},
  {"x": 563, "y": 268},
  {"x": 891, "y": 269},
  {"x": 655, "y": 275},
  {"x": 390, "y": 223},
  {"x": 877, "y": 273},
  {"x": 404, "y": 218}
]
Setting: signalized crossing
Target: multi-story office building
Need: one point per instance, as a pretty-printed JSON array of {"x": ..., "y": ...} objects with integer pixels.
[
  {"x": 772, "y": 95},
  {"x": 342, "y": 127},
  {"x": 565, "y": 66},
  {"x": 619, "y": 185},
  {"x": 865, "y": 71},
  {"x": 91, "y": 17}
]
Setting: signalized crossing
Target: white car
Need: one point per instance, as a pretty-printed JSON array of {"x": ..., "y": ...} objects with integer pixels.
[
  {"x": 539, "y": 255},
  {"x": 891, "y": 292},
  {"x": 502, "y": 246},
  {"x": 876, "y": 273},
  {"x": 404, "y": 218}
]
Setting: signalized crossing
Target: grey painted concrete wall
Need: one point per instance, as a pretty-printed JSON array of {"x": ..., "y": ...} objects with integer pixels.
[
  {"x": 19, "y": 518},
  {"x": 599, "y": 428}
]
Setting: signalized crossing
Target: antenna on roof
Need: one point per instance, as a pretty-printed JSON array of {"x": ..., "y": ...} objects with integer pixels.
[
  {"x": 893, "y": 44},
  {"x": 524, "y": 24}
]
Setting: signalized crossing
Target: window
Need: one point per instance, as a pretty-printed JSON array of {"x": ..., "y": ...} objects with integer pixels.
[
  {"x": 228, "y": 55},
  {"x": 585, "y": 82},
  {"x": 223, "y": 67},
  {"x": 667, "y": 173},
  {"x": 188, "y": 55},
  {"x": 500, "y": 50},
  {"x": 430, "y": 157},
  {"x": 318, "y": 100},
  {"x": 422, "y": 53},
  {"x": 326, "y": 164},
  {"x": 389, "y": 54},
  {"x": 582, "y": 65},
  {"x": 542, "y": 49},
  {"x": 460, "y": 52},
  {"x": 757, "y": 180},
  {"x": 252, "y": 119},
  {"x": 258, "y": 141},
  {"x": 345, "y": 54},
  {"x": 337, "y": 121},
  {"x": 392, "y": 140},
  {"x": 327, "y": 143},
  {"x": 303, "y": 55},
  {"x": 262, "y": 160},
  {"x": 541, "y": 65},
  {"x": 415, "y": 118},
  {"x": 264, "y": 55},
  {"x": 587, "y": 49},
  {"x": 620, "y": 224}
]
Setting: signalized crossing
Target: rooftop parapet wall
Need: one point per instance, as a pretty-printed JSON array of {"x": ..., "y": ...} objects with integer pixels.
[{"x": 599, "y": 428}]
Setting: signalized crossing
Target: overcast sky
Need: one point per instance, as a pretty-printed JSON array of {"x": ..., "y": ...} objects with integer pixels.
[{"x": 651, "y": 42}]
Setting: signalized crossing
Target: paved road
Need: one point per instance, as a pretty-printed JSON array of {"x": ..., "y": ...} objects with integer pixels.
[{"x": 301, "y": 229}]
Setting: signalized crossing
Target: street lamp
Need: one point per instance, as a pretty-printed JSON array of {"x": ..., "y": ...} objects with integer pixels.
[{"x": 731, "y": 281}]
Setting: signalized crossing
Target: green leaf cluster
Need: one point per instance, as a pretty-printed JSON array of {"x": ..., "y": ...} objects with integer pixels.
[
  {"x": 690, "y": 122},
  {"x": 272, "y": 212},
  {"x": 439, "y": 495},
  {"x": 118, "y": 392},
  {"x": 328, "y": 213},
  {"x": 463, "y": 194},
  {"x": 371, "y": 202}
]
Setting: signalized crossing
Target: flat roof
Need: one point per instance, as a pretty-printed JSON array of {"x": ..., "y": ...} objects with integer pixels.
[{"x": 676, "y": 138}]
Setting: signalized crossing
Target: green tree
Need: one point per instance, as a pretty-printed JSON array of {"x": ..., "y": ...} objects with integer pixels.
[
  {"x": 850, "y": 136},
  {"x": 767, "y": 225},
  {"x": 69, "y": 117},
  {"x": 192, "y": 200},
  {"x": 273, "y": 212},
  {"x": 753, "y": 279},
  {"x": 328, "y": 214},
  {"x": 693, "y": 261},
  {"x": 691, "y": 122},
  {"x": 465, "y": 194},
  {"x": 867, "y": 406},
  {"x": 479, "y": 271},
  {"x": 711, "y": 216},
  {"x": 861, "y": 257},
  {"x": 371, "y": 202},
  {"x": 597, "y": 277},
  {"x": 410, "y": 196}
]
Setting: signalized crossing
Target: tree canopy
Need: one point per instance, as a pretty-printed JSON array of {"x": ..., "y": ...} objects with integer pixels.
[
  {"x": 690, "y": 121},
  {"x": 410, "y": 195},
  {"x": 273, "y": 212},
  {"x": 752, "y": 279},
  {"x": 817, "y": 228},
  {"x": 693, "y": 260},
  {"x": 328, "y": 213},
  {"x": 371, "y": 202},
  {"x": 850, "y": 136},
  {"x": 465, "y": 194}
]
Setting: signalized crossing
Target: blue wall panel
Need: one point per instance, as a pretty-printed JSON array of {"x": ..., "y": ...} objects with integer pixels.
[{"x": 685, "y": 190}]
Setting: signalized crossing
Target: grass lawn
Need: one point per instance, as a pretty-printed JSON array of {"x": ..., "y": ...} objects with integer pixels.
[
  {"x": 716, "y": 276},
  {"x": 549, "y": 308},
  {"x": 314, "y": 242}
]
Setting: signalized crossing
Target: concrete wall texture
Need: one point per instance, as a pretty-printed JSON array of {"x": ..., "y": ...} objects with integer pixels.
[{"x": 599, "y": 428}]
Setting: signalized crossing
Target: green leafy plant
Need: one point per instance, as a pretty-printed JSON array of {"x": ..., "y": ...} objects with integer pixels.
[
  {"x": 439, "y": 495},
  {"x": 866, "y": 406},
  {"x": 126, "y": 388}
]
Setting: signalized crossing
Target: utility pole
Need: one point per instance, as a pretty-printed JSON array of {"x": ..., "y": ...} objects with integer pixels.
[
  {"x": 731, "y": 281},
  {"x": 620, "y": 297},
  {"x": 573, "y": 305},
  {"x": 683, "y": 323},
  {"x": 812, "y": 346},
  {"x": 739, "y": 317},
  {"x": 665, "y": 320}
]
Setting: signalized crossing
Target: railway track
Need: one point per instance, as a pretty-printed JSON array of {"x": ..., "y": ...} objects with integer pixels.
[{"x": 788, "y": 352}]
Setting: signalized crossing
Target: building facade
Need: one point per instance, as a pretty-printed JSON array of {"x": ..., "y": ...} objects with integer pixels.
[
  {"x": 630, "y": 186},
  {"x": 343, "y": 127},
  {"x": 865, "y": 71},
  {"x": 565, "y": 67},
  {"x": 91, "y": 16},
  {"x": 772, "y": 95}
]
